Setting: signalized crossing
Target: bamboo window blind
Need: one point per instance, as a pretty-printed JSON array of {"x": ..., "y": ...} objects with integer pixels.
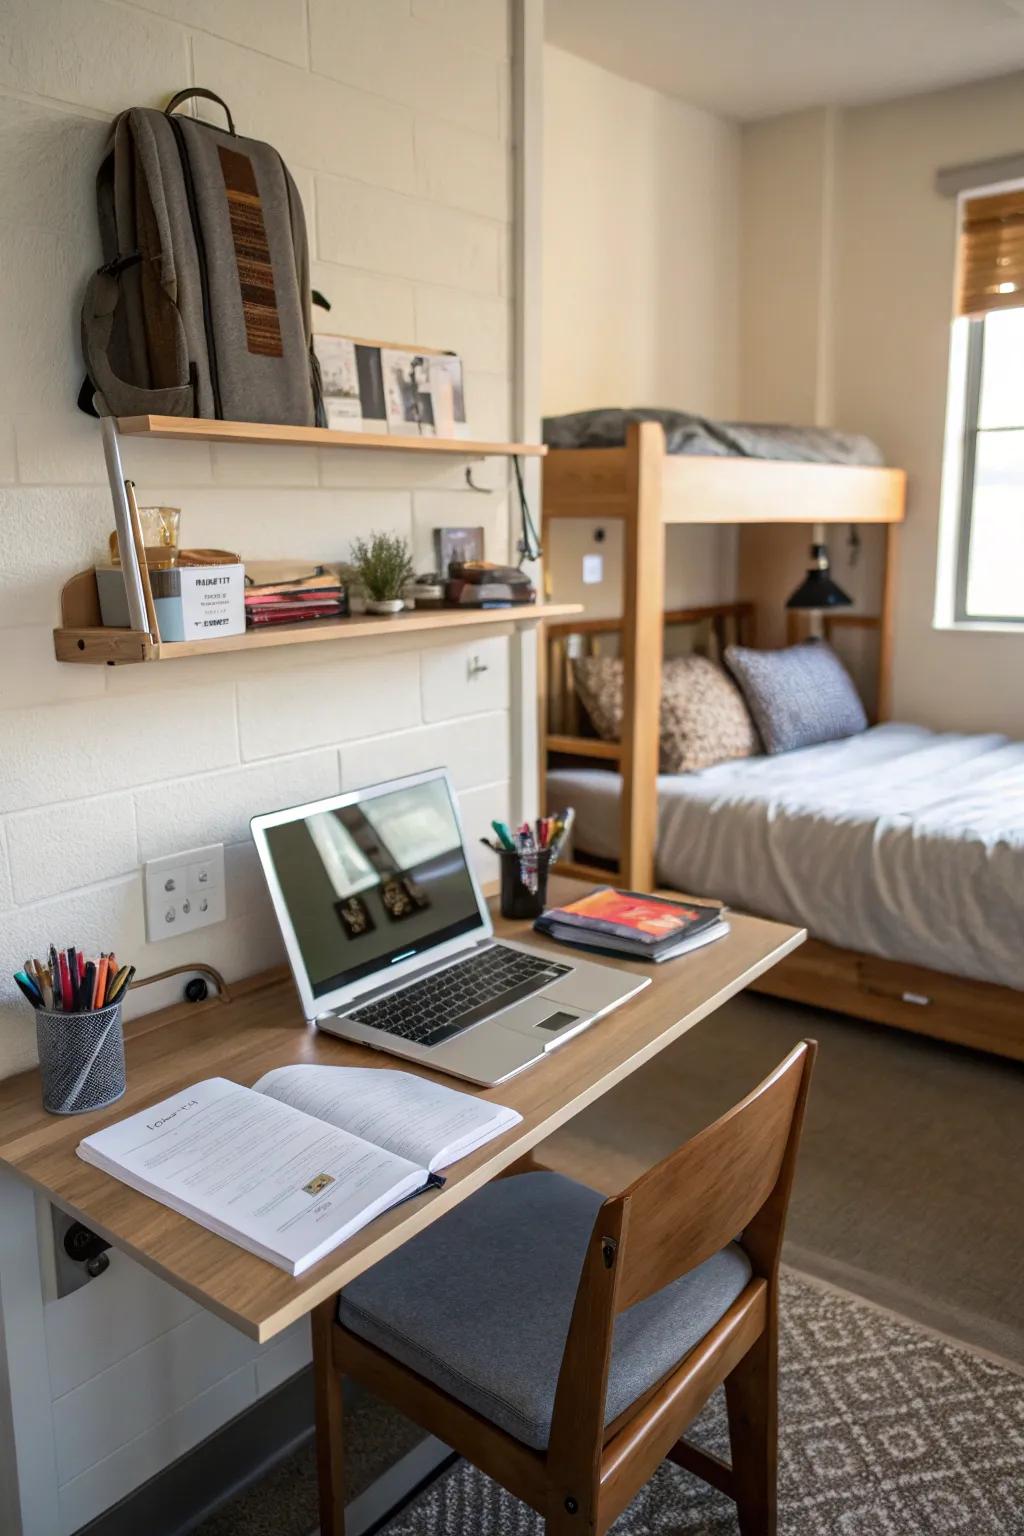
[{"x": 991, "y": 253}]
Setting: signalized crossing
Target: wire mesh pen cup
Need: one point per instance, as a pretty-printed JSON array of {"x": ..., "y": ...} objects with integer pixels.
[
  {"x": 524, "y": 882},
  {"x": 81, "y": 1059}
]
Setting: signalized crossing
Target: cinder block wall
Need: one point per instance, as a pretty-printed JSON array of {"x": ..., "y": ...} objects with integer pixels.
[{"x": 393, "y": 116}]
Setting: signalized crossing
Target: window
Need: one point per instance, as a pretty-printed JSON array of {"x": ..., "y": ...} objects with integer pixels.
[
  {"x": 990, "y": 564},
  {"x": 990, "y": 546}
]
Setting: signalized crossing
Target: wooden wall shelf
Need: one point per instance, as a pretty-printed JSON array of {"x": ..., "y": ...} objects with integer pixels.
[
  {"x": 194, "y": 429},
  {"x": 83, "y": 640}
]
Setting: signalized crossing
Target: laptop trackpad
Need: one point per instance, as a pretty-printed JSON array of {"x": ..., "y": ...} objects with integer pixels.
[{"x": 541, "y": 1017}]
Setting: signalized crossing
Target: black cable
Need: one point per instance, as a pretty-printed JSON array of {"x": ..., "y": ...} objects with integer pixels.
[{"x": 529, "y": 543}]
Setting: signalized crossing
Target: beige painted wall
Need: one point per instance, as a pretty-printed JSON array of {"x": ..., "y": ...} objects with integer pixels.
[
  {"x": 894, "y": 287},
  {"x": 856, "y": 330},
  {"x": 641, "y": 213},
  {"x": 786, "y": 268},
  {"x": 641, "y": 249}
]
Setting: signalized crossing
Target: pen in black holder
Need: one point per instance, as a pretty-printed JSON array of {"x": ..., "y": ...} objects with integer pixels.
[
  {"x": 524, "y": 881},
  {"x": 81, "y": 1059}
]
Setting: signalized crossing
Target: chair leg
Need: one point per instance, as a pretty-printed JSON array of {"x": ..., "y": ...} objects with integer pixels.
[
  {"x": 563, "y": 1522},
  {"x": 330, "y": 1448},
  {"x": 751, "y": 1396}
]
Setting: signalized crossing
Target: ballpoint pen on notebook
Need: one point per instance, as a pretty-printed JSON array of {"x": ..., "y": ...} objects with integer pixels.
[{"x": 69, "y": 983}]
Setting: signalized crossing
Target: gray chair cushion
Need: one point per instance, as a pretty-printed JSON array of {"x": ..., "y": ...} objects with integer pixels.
[{"x": 480, "y": 1304}]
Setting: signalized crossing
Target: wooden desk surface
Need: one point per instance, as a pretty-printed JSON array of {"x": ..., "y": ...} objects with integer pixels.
[{"x": 263, "y": 1027}]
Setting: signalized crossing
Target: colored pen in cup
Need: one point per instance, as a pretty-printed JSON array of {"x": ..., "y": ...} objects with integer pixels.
[
  {"x": 122, "y": 982},
  {"x": 25, "y": 984},
  {"x": 504, "y": 836}
]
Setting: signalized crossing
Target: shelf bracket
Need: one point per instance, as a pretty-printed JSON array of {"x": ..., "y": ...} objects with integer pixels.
[{"x": 123, "y": 523}]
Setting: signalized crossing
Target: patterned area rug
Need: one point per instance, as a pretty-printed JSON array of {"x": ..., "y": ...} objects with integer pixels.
[{"x": 886, "y": 1431}]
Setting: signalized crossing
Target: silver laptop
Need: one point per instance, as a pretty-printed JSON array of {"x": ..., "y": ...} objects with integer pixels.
[{"x": 391, "y": 942}]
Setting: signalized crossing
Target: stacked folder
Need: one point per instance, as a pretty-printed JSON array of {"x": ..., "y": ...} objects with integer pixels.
[
  {"x": 479, "y": 584},
  {"x": 631, "y": 923},
  {"x": 290, "y": 594}
]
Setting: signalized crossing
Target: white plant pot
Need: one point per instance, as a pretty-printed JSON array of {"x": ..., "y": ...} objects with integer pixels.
[{"x": 391, "y": 605}]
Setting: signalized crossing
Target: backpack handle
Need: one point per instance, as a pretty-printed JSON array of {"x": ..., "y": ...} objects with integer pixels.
[{"x": 200, "y": 90}]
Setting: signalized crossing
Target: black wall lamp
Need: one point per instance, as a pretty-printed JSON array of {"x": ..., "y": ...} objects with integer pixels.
[{"x": 818, "y": 590}]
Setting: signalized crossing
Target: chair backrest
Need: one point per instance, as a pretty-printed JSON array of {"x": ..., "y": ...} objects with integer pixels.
[
  {"x": 732, "y": 1178},
  {"x": 715, "y": 1186}
]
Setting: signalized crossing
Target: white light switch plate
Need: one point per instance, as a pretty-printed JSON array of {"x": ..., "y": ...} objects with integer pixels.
[
  {"x": 184, "y": 891},
  {"x": 593, "y": 570}
]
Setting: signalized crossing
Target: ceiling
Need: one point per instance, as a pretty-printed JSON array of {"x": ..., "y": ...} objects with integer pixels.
[{"x": 753, "y": 58}]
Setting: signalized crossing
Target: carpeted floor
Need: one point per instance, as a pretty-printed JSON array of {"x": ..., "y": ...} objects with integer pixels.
[
  {"x": 285, "y": 1503},
  {"x": 910, "y": 1185},
  {"x": 886, "y": 1431},
  {"x": 908, "y": 1194}
]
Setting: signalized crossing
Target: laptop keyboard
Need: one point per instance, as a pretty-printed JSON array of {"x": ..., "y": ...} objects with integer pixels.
[{"x": 449, "y": 1001}]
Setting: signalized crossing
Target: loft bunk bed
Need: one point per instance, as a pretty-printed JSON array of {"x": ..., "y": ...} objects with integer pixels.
[{"x": 649, "y": 490}]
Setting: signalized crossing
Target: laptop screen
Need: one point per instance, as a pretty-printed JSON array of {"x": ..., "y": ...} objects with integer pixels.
[{"x": 372, "y": 881}]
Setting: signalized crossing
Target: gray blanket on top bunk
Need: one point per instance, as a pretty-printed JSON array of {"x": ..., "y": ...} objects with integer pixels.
[{"x": 686, "y": 433}]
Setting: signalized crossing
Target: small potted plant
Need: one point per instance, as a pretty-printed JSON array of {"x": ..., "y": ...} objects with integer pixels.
[{"x": 382, "y": 566}]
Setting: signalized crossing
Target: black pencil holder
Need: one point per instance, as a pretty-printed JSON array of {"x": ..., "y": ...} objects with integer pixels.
[
  {"x": 81, "y": 1059},
  {"x": 524, "y": 882}
]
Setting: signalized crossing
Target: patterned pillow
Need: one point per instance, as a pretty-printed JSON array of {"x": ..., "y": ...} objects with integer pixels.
[
  {"x": 798, "y": 696},
  {"x": 598, "y": 684},
  {"x": 703, "y": 717}
]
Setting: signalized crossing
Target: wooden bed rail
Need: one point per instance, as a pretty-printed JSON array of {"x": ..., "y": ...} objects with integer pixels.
[{"x": 612, "y": 626}]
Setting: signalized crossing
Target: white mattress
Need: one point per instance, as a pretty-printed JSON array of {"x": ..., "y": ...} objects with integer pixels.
[{"x": 898, "y": 842}]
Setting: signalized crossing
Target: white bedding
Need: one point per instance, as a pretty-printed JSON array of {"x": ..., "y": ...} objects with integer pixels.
[{"x": 898, "y": 842}]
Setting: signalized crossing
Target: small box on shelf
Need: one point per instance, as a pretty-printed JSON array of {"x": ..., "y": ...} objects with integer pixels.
[{"x": 192, "y": 602}]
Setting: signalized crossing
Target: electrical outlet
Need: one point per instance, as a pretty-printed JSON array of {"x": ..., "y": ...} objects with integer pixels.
[{"x": 184, "y": 891}]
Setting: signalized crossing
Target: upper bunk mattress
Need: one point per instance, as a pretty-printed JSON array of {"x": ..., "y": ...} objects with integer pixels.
[
  {"x": 898, "y": 842},
  {"x": 686, "y": 433}
]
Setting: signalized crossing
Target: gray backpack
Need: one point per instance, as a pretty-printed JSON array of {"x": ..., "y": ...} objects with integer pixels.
[{"x": 202, "y": 306}]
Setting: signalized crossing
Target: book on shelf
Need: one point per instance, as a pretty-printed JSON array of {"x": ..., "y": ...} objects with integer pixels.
[
  {"x": 267, "y": 577},
  {"x": 293, "y": 613},
  {"x": 633, "y": 923},
  {"x": 292, "y": 1167},
  {"x": 274, "y": 599},
  {"x": 281, "y": 593}
]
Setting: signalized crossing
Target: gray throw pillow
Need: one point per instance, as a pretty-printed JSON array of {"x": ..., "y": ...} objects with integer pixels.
[{"x": 798, "y": 696}]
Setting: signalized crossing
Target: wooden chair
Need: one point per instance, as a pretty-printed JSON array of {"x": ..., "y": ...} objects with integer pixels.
[{"x": 654, "y": 1247}]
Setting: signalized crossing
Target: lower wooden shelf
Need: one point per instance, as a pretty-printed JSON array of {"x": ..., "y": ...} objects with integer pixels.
[
  {"x": 584, "y": 746},
  {"x": 93, "y": 645}
]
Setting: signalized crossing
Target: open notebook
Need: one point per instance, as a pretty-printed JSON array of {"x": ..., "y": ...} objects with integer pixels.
[{"x": 296, "y": 1164}]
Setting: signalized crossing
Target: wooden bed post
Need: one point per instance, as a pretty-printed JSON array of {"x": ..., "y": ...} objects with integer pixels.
[
  {"x": 885, "y": 623},
  {"x": 643, "y": 599}
]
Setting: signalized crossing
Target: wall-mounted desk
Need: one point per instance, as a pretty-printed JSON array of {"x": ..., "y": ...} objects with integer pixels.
[{"x": 262, "y": 1027}]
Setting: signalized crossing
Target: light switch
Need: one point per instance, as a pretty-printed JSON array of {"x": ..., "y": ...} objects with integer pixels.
[{"x": 593, "y": 570}]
